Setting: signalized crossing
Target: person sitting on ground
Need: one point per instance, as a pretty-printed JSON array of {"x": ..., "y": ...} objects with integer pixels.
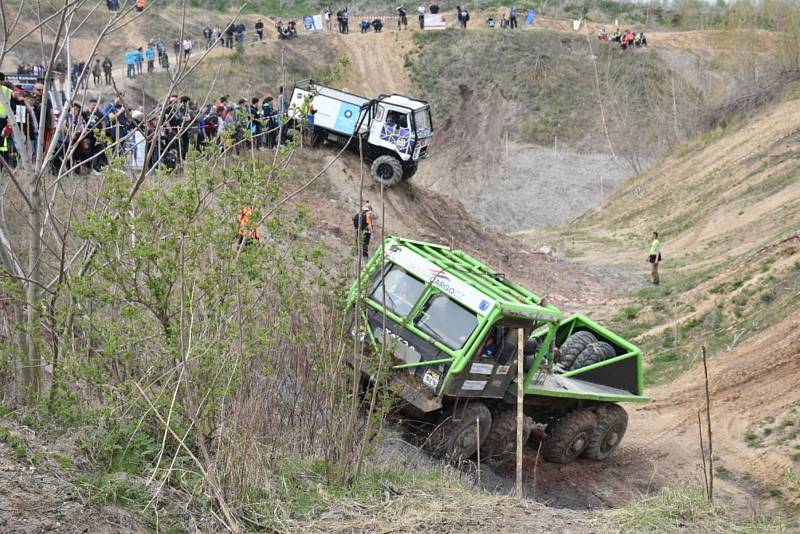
[
  {"x": 602, "y": 35},
  {"x": 434, "y": 9},
  {"x": 615, "y": 36},
  {"x": 504, "y": 22},
  {"x": 364, "y": 26},
  {"x": 641, "y": 40},
  {"x": 623, "y": 40},
  {"x": 490, "y": 21},
  {"x": 377, "y": 25}
]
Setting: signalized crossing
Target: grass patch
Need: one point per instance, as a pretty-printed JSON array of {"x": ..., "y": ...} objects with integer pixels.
[
  {"x": 100, "y": 489},
  {"x": 680, "y": 509},
  {"x": 18, "y": 444},
  {"x": 753, "y": 440}
]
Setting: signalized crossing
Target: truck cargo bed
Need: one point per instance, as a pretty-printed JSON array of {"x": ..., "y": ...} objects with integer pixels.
[{"x": 552, "y": 385}]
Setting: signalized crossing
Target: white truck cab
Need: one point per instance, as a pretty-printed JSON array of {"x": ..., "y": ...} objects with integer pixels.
[{"x": 396, "y": 130}]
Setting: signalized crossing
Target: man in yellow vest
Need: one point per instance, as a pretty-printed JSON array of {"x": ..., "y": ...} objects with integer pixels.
[
  {"x": 5, "y": 133},
  {"x": 655, "y": 257}
]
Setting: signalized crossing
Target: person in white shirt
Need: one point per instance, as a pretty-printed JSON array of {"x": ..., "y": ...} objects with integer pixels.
[{"x": 421, "y": 11}]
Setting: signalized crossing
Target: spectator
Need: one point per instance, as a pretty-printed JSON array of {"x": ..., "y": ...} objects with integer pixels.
[
  {"x": 421, "y": 16},
  {"x": 107, "y": 65},
  {"x": 176, "y": 47},
  {"x": 187, "y": 48},
  {"x": 140, "y": 5},
  {"x": 96, "y": 69},
  {"x": 240, "y": 34},
  {"x": 139, "y": 60},
  {"x": 346, "y": 20},
  {"x": 216, "y": 36},
  {"x": 151, "y": 58},
  {"x": 326, "y": 16},
  {"x": 260, "y": 29},
  {"x": 130, "y": 61},
  {"x": 377, "y": 25},
  {"x": 229, "y": 36},
  {"x": 434, "y": 9},
  {"x": 512, "y": 17},
  {"x": 207, "y": 35},
  {"x": 402, "y": 20}
]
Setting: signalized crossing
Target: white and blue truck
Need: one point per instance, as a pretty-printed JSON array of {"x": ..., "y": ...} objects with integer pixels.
[{"x": 395, "y": 130}]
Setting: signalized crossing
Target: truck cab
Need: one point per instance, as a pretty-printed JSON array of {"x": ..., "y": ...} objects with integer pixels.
[
  {"x": 401, "y": 126},
  {"x": 451, "y": 326}
]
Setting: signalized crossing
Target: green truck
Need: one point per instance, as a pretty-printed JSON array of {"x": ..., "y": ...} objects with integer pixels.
[{"x": 451, "y": 326}]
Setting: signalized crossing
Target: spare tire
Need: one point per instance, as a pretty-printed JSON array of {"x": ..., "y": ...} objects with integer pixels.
[
  {"x": 387, "y": 170},
  {"x": 594, "y": 353},
  {"x": 529, "y": 350},
  {"x": 573, "y": 346}
]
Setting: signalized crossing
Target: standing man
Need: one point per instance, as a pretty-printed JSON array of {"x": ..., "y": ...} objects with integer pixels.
[
  {"x": 187, "y": 48},
  {"x": 513, "y": 17},
  {"x": 421, "y": 12},
  {"x": 130, "y": 62},
  {"x": 107, "y": 70},
  {"x": 207, "y": 34},
  {"x": 139, "y": 60},
  {"x": 655, "y": 257},
  {"x": 260, "y": 29},
  {"x": 96, "y": 72},
  {"x": 362, "y": 221},
  {"x": 151, "y": 58}
]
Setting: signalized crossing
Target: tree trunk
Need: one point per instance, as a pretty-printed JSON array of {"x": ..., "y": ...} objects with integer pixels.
[{"x": 32, "y": 365}]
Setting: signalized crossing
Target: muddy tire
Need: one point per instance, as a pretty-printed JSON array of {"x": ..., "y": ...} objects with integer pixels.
[
  {"x": 573, "y": 346},
  {"x": 569, "y": 436},
  {"x": 410, "y": 170},
  {"x": 501, "y": 442},
  {"x": 612, "y": 421},
  {"x": 455, "y": 437},
  {"x": 594, "y": 353},
  {"x": 387, "y": 170}
]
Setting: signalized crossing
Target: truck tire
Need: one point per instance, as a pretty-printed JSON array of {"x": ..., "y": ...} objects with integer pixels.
[
  {"x": 530, "y": 349},
  {"x": 501, "y": 440},
  {"x": 455, "y": 438},
  {"x": 594, "y": 353},
  {"x": 573, "y": 346},
  {"x": 410, "y": 170},
  {"x": 612, "y": 421},
  {"x": 387, "y": 170},
  {"x": 569, "y": 436}
]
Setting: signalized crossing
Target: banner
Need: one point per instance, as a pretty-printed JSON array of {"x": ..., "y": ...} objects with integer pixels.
[
  {"x": 435, "y": 22},
  {"x": 312, "y": 23},
  {"x": 531, "y": 17}
]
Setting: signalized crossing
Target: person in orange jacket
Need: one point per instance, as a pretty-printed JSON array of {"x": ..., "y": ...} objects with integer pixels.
[{"x": 247, "y": 232}]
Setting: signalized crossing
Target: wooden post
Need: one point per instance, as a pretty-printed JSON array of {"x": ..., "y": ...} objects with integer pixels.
[
  {"x": 708, "y": 422},
  {"x": 702, "y": 451},
  {"x": 478, "y": 441},
  {"x": 520, "y": 414}
]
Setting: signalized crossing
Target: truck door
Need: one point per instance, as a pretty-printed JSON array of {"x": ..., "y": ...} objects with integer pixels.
[
  {"x": 492, "y": 367},
  {"x": 391, "y": 129}
]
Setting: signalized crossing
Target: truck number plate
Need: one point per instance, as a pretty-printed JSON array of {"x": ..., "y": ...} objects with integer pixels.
[{"x": 431, "y": 378}]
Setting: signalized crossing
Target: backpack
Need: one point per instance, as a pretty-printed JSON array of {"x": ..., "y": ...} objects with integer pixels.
[{"x": 360, "y": 222}]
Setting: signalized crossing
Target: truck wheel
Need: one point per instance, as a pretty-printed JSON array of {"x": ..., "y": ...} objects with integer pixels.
[
  {"x": 501, "y": 440},
  {"x": 455, "y": 437},
  {"x": 573, "y": 346},
  {"x": 410, "y": 170},
  {"x": 387, "y": 170},
  {"x": 594, "y": 353},
  {"x": 569, "y": 436},
  {"x": 612, "y": 421}
]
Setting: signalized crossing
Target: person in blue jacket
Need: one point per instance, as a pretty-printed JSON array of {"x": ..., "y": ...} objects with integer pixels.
[
  {"x": 139, "y": 60},
  {"x": 130, "y": 61},
  {"x": 151, "y": 58}
]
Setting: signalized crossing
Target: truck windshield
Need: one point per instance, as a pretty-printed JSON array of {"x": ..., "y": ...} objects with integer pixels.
[
  {"x": 402, "y": 291},
  {"x": 447, "y": 321},
  {"x": 422, "y": 119}
]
